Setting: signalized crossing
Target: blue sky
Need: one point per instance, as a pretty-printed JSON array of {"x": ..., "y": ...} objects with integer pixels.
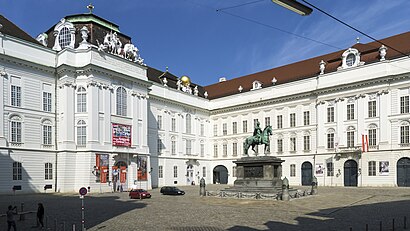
[{"x": 192, "y": 38}]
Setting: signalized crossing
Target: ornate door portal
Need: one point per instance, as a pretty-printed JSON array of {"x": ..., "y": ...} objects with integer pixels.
[
  {"x": 403, "y": 172},
  {"x": 306, "y": 173},
  {"x": 350, "y": 173}
]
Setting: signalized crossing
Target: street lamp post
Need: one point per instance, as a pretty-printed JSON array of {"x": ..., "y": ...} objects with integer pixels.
[{"x": 294, "y": 6}]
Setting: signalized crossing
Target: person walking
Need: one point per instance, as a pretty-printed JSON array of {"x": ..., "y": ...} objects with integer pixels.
[
  {"x": 10, "y": 218},
  {"x": 40, "y": 215}
]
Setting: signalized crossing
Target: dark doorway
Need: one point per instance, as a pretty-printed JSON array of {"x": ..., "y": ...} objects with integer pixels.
[
  {"x": 350, "y": 173},
  {"x": 306, "y": 173},
  {"x": 403, "y": 172},
  {"x": 220, "y": 175}
]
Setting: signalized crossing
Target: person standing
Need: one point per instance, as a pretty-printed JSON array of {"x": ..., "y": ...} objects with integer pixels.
[
  {"x": 10, "y": 218},
  {"x": 40, "y": 215}
]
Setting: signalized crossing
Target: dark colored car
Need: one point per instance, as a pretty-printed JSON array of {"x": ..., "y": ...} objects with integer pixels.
[
  {"x": 171, "y": 190},
  {"x": 139, "y": 194}
]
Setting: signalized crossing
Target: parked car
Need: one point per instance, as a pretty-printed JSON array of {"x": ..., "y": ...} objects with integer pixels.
[
  {"x": 139, "y": 194},
  {"x": 171, "y": 190}
]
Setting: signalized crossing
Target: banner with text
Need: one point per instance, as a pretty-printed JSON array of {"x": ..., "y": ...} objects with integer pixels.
[{"x": 121, "y": 135}]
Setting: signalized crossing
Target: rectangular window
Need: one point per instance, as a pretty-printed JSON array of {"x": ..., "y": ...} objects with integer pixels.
[
  {"x": 330, "y": 140},
  {"x": 350, "y": 139},
  {"x": 372, "y": 168},
  {"x": 47, "y": 134},
  {"x": 306, "y": 143},
  {"x": 175, "y": 171},
  {"x": 267, "y": 121},
  {"x": 245, "y": 126},
  {"x": 225, "y": 150},
  {"x": 350, "y": 112},
  {"x": 17, "y": 171},
  {"x": 81, "y": 135},
  {"x": 330, "y": 114},
  {"x": 292, "y": 144},
  {"x": 292, "y": 121},
  {"x": 329, "y": 167},
  {"x": 224, "y": 129},
  {"x": 215, "y": 130},
  {"x": 173, "y": 147},
  {"x": 372, "y": 137},
  {"x": 215, "y": 150},
  {"x": 15, "y": 96},
  {"x": 188, "y": 147},
  {"x": 159, "y": 122},
  {"x": 235, "y": 149},
  {"x": 372, "y": 108},
  {"x": 159, "y": 146},
  {"x": 15, "y": 132},
  {"x": 404, "y": 134},
  {"x": 202, "y": 129},
  {"x": 47, "y": 101},
  {"x": 81, "y": 100},
  {"x": 234, "y": 127},
  {"x": 404, "y": 104},
  {"x": 202, "y": 150},
  {"x": 173, "y": 124},
  {"x": 160, "y": 171},
  {"x": 306, "y": 118},
  {"x": 292, "y": 170},
  {"x": 280, "y": 122},
  {"x": 280, "y": 145},
  {"x": 48, "y": 171},
  {"x": 204, "y": 172}
]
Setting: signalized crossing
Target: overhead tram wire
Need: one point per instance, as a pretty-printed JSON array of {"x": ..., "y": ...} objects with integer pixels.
[
  {"x": 244, "y": 4},
  {"x": 351, "y": 27},
  {"x": 260, "y": 23}
]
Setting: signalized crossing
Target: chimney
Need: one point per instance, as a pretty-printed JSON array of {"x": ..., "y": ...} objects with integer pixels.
[{"x": 222, "y": 79}]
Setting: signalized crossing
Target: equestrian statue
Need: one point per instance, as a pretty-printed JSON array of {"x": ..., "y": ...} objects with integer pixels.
[{"x": 259, "y": 137}]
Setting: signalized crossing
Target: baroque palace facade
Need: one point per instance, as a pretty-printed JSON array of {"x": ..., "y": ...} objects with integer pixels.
[{"x": 80, "y": 108}]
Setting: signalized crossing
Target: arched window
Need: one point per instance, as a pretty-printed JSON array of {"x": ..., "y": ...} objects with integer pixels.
[
  {"x": 16, "y": 129},
  {"x": 64, "y": 37},
  {"x": 17, "y": 169},
  {"x": 404, "y": 133},
  {"x": 350, "y": 136},
  {"x": 188, "y": 123},
  {"x": 48, "y": 171},
  {"x": 81, "y": 100},
  {"x": 121, "y": 101},
  {"x": 81, "y": 133},
  {"x": 372, "y": 134},
  {"x": 175, "y": 171}
]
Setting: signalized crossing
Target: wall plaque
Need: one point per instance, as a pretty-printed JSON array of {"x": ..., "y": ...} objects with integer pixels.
[{"x": 253, "y": 171}]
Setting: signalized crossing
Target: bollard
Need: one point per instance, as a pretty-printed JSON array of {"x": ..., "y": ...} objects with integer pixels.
[
  {"x": 285, "y": 189},
  {"x": 46, "y": 222},
  {"x": 405, "y": 222},
  {"x": 367, "y": 227},
  {"x": 381, "y": 226},
  {"x": 73, "y": 227},
  {"x": 202, "y": 191},
  {"x": 393, "y": 224},
  {"x": 22, "y": 217},
  {"x": 351, "y": 229},
  {"x": 55, "y": 224},
  {"x": 63, "y": 225},
  {"x": 314, "y": 186}
]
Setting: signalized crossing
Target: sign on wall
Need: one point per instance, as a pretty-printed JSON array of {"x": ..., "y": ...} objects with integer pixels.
[
  {"x": 121, "y": 135},
  {"x": 384, "y": 168},
  {"x": 319, "y": 169}
]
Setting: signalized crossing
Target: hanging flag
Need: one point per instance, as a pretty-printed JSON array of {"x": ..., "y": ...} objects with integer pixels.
[{"x": 365, "y": 143}]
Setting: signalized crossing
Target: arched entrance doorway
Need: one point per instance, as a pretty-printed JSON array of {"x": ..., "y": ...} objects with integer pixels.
[
  {"x": 220, "y": 175},
  {"x": 307, "y": 173},
  {"x": 190, "y": 174},
  {"x": 119, "y": 175},
  {"x": 403, "y": 172},
  {"x": 350, "y": 173}
]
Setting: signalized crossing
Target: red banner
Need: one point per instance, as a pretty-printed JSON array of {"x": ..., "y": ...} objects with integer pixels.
[{"x": 121, "y": 135}]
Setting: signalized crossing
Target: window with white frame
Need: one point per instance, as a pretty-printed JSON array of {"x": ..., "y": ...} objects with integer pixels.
[
  {"x": 224, "y": 129},
  {"x": 215, "y": 130},
  {"x": 330, "y": 168},
  {"x": 17, "y": 169},
  {"x": 234, "y": 127},
  {"x": 47, "y": 133},
  {"x": 15, "y": 96},
  {"x": 215, "y": 150},
  {"x": 279, "y": 121},
  {"x": 47, "y": 101},
  {"x": 404, "y": 104},
  {"x": 306, "y": 118},
  {"x": 173, "y": 124},
  {"x": 267, "y": 121},
  {"x": 188, "y": 147},
  {"x": 64, "y": 37},
  {"x": 203, "y": 171},
  {"x": 202, "y": 129},
  {"x": 280, "y": 145},
  {"x": 331, "y": 114},
  {"x": 292, "y": 170},
  {"x": 81, "y": 100},
  {"x": 372, "y": 136},
  {"x": 350, "y": 137},
  {"x": 173, "y": 146},
  {"x": 16, "y": 129},
  {"x": 160, "y": 171},
  {"x": 404, "y": 134},
  {"x": 225, "y": 150},
  {"x": 292, "y": 147},
  {"x": 245, "y": 126},
  {"x": 306, "y": 142},
  {"x": 159, "y": 122},
  {"x": 81, "y": 133},
  {"x": 175, "y": 171},
  {"x": 350, "y": 112},
  {"x": 292, "y": 120},
  {"x": 188, "y": 124},
  {"x": 202, "y": 149},
  {"x": 48, "y": 171},
  {"x": 331, "y": 139},
  {"x": 372, "y": 108},
  {"x": 372, "y": 168},
  {"x": 159, "y": 146},
  {"x": 234, "y": 149},
  {"x": 121, "y": 101}
]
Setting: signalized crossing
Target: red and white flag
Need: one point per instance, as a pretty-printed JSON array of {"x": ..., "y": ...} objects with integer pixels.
[{"x": 365, "y": 143}]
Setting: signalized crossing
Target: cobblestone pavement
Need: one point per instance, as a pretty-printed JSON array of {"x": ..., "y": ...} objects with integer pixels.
[{"x": 332, "y": 209}]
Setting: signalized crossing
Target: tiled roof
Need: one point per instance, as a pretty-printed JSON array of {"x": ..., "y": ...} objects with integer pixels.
[
  {"x": 11, "y": 29},
  {"x": 309, "y": 67}
]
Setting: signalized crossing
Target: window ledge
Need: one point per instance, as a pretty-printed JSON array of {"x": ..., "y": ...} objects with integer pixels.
[{"x": 16, "y": 144}]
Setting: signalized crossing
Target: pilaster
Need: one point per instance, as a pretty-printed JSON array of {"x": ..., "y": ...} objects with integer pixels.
[
  {"x": 3, "y": 78},
  {"x": 66, "y": 115}
]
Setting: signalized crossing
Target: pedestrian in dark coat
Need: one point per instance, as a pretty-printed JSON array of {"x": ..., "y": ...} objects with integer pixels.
[{"x": 40, "y": 215}]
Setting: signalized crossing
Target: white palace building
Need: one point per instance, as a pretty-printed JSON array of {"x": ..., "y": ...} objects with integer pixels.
[{"x": 80, "y": 108}]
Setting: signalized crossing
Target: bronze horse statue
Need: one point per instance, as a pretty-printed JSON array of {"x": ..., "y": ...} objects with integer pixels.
[{"x": 254, "y": 140}]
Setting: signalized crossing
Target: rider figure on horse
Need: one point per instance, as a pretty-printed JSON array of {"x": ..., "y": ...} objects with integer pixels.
[{"x": 257, "y": 133}]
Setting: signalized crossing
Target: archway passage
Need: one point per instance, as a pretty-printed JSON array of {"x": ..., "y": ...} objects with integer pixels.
[
  {"x": 403, "y": 172},
  {"x": 306, "y": 173},
  {"x": 220, "y": 175},
  {"x": 122, "y": 171},
  {"x": 350, "y": 173}
]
